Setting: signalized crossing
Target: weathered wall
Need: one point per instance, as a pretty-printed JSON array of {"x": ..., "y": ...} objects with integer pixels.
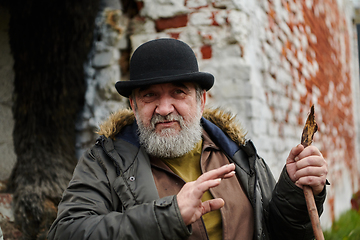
[
  {"x": 102, "y": 72},
  {"x": 316, "y": 39},
  {"x": 272, "y": 60},
  {"x": 7, "y": 154}
]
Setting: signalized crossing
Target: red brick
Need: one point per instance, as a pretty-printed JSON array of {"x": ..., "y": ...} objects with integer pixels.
[
  {"x": 206, "y": 51},
  {"x": 174, "y": 35},
  {"x": 173, "y": 22}
]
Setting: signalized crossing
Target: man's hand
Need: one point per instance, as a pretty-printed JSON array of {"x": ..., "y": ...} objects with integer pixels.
[
  {"x": 189, "y": 197},
  {"x": 307, "y": 166}
]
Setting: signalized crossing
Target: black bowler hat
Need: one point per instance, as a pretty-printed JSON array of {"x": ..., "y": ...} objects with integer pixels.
[{"x": 163, "y": 60}]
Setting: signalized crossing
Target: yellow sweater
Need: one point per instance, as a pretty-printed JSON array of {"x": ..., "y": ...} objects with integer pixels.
[{"x": 188, "y": 168}]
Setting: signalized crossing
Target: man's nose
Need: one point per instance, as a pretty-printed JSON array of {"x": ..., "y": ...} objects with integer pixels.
[{"x": 164, "y": 106}]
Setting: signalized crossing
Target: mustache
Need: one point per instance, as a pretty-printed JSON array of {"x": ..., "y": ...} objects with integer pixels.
[{"x": 157, "y": 118}]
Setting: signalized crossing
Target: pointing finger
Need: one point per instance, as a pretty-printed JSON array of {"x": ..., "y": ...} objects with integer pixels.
[{"x": 222, "y": 172}]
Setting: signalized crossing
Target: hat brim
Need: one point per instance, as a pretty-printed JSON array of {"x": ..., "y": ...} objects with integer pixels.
[{"x": 205, "y": 80}]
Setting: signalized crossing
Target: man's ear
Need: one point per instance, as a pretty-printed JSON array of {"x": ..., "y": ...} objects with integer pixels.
[
  {"x": 203, "y": 101},
  {"x": 132, "y": 104}
]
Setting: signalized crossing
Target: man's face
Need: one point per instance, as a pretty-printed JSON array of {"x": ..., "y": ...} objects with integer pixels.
[
  {"x": 168, "y": 117},
  {"x": 167, "y": 99}
]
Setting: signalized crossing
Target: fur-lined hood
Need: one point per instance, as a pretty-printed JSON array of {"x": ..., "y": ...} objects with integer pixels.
[{"x": 224, "y": 120}]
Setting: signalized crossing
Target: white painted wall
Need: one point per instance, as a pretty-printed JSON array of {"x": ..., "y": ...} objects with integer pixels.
[
  {"x": 7, "y": 154},
  {"x": 245, "y": 55}
]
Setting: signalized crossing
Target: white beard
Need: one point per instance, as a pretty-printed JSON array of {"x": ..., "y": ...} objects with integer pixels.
[{"x": 168, "y": 144}]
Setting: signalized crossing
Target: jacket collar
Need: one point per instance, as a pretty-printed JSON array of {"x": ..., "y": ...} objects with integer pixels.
[
  {"x": 216, "y": 121},
  {"x": 219, "y": 137},
  {"x": 130, "y": 134}
]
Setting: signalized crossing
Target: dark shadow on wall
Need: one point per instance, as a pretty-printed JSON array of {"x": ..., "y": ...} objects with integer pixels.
[{"x": 49, "y": 42}]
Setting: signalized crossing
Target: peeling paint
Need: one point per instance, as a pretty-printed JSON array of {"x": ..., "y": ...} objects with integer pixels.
[
  {"x": 318, "y": 51},
  {"x": 6, "y": 212},
  {"x": 271, "y": 60},
  {"x": 113, "y": 19}
]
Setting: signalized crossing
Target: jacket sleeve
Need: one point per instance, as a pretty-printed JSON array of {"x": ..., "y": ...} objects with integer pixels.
[
  {"x": 87, "y": 211},
  {"x": 288, "y": 216}
]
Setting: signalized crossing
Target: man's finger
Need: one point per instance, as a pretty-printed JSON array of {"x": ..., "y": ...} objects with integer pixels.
[
  {"x": 211, "y": 205},
  {"x": 307, "y": 152},
  {"x": 310, "y": 171},
  {"x": 217, "y": 173},
  {"x": 314, "y": 161},
  {"x": 205, "y": 186},
  {"x": 229, "y": 175}
]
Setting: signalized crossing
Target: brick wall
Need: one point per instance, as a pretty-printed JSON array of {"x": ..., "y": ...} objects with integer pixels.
[
  {"x": 102, "y": 72},
  {"x": 272, "y": 60},
  {"x": 316, "y": 51}
]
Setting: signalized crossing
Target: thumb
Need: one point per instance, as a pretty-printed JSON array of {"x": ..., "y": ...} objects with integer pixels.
[
  {"x": 211, "y": 205},
  {"x": 294, "y": 152}
]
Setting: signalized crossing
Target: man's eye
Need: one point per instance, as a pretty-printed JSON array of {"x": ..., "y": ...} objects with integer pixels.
[
  {"x": 179, "y": 91},
  {"x": 149, "y": 95}
]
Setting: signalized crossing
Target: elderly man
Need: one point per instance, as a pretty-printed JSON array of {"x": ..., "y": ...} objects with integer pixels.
[{"x": 169, "y": 169}]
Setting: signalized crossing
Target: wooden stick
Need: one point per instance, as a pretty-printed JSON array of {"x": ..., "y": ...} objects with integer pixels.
[
  {"x": 313, "y": 213},
  {"x": 306, "y": 139}
]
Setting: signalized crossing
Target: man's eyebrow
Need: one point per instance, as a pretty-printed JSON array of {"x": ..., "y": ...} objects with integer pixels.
[{"x": 180, "y": 84}]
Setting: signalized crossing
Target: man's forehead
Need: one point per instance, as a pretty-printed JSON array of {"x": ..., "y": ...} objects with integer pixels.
[{"x": 187, "y": 85}]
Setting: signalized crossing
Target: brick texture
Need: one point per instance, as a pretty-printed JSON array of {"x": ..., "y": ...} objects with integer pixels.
[
  {"x": 272, "y": 60},
  {"x": 174, "y": 22},
  {"x": 316, "y": 47}
]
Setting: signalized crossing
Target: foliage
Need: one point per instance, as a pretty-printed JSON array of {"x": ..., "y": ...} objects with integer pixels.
[{"x": 347, "y": 227}]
